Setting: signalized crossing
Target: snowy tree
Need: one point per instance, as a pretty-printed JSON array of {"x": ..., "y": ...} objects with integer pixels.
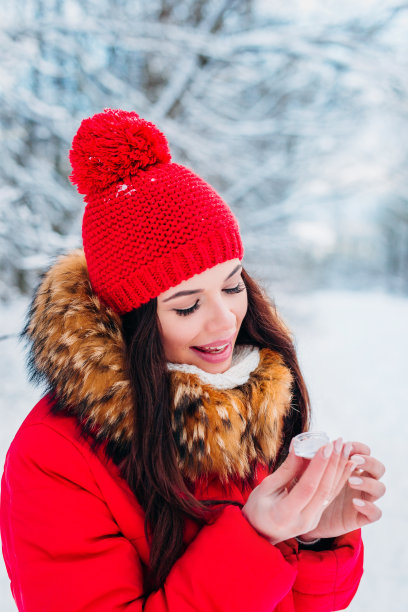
[
  {"x": 394, "y": 234},
  {"x": 284, "y": 112}
]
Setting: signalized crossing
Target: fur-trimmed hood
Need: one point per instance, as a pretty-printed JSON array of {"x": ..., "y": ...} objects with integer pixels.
[{"x": 78, "y": 349}]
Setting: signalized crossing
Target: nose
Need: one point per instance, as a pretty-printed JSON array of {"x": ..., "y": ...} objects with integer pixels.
[{"x": 221, "y": 319}]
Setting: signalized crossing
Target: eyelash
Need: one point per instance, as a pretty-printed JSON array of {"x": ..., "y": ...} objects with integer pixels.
[{"x": 186, "y": 311}]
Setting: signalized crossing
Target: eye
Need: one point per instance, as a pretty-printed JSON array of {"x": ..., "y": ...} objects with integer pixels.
[
  {"x": 186, "y": 311},
  {"x": 240, "y": 287}
]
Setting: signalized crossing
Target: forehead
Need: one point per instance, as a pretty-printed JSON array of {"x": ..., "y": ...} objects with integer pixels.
[{"x": 212, "y": 276}]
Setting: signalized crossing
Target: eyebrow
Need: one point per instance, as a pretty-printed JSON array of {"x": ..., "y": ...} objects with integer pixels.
[{"x": 180, "y": 293}]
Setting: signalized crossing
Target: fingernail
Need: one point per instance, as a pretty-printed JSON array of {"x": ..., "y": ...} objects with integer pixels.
[
  {"x": 347, "y": 450},
  {"x": 328, "y": 449},
  {"x": 357, "y": 459},
  {"x": 358, "y": 502},
  {"x": 291, "y": 445},
  {"x": 337, "y": 446},
  {"x": 354, "y": 480}
]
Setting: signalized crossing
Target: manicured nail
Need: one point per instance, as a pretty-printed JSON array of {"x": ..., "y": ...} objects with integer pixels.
[
  {"x": 358, "y": 502},
  {"x": 354, "y": 480},
  {"x": 347, "y": 449},
  {"x": 328, "y": 449},
  {"x": 357, "y": 459},
  {"x": 337, "y": 446}
]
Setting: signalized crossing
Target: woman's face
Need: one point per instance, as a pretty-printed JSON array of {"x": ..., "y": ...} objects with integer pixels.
[{"x": 200, "y": 318}]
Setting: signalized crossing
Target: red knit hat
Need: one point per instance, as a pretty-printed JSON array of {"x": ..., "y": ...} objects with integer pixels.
[{"x": 148, "y": 224}]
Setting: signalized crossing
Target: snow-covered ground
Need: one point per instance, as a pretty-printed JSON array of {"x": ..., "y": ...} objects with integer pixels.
[{"x": 352, "y": 349}]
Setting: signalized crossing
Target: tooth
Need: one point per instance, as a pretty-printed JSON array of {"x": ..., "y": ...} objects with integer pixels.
[{"x": 216, "y": 349}]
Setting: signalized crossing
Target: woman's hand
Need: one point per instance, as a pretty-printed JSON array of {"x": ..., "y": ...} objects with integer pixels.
[
  {"x": 353, "y": 503},
  {"x": 291, "y": 501}
]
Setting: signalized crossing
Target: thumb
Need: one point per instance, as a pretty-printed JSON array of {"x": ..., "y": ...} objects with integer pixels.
[{"x": 290, "y": 469}]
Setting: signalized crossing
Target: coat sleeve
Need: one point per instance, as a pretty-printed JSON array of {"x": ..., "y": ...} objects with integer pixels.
[
  {"x": 64, "y": 551},
  {"x": 326, "y": 580}
]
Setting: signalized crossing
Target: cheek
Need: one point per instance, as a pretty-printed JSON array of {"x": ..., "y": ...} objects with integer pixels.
[
  {"x": 178, "y": 332},
  {"x": 242, "y": 308}
]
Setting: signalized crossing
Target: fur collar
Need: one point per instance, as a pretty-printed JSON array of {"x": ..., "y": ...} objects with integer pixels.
[{"x": 77, "y": 347}]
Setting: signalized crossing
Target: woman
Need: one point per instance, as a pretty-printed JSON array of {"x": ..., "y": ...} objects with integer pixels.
[{"x": 157, "y": 472}]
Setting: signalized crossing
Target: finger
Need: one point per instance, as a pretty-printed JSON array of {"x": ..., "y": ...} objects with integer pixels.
[
  {"x": 285, "y": 473},
  {"x": 345, "y": 468},
  {"x": 331, "y": 476},
  {"x": 340, "y": 462},
  {"x": 308, "y": 484},
  {"x": 370, "y": 466},
  {"x": 374, "y": 488},
  {"x": 367, "y": 511},
  {"x": 359, "y": 448},
  {"x": 349, "y": 470}
]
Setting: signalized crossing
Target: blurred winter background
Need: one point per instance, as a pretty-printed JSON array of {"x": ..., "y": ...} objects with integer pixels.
[{"x": 297, "y": 113}]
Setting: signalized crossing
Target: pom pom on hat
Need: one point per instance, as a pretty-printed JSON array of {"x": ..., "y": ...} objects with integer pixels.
[
  {"x": 114, "y": 146},
  {"x": 149, "y": 223}
]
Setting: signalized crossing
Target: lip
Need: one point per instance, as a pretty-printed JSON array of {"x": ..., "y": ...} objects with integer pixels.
[
  {"x": 216, "y": 357},
  {"x": 215, "y": 343}
]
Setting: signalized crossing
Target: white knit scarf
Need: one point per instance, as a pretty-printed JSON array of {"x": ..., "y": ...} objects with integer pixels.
[{"x": 245, "y": 359}]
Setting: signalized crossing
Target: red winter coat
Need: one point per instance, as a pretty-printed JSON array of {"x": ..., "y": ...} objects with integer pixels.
[{"x": 73, "y": 541}]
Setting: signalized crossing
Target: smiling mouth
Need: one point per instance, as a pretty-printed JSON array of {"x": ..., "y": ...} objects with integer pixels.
[
  {"x": 215, "y": 349},
  {"x": 218, "y": 346}
]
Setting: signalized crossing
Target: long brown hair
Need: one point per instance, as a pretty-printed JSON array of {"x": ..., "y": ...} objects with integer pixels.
[{"x": 151, "y": 468}]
